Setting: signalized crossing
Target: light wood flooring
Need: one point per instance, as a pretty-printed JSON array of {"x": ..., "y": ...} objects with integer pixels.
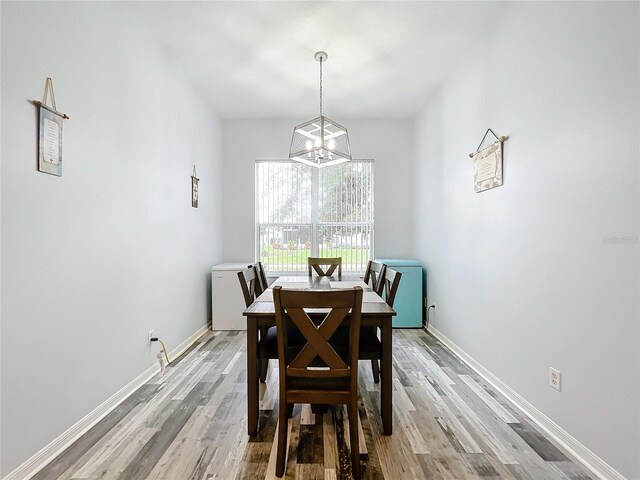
[{"x": 190, "y": 424}]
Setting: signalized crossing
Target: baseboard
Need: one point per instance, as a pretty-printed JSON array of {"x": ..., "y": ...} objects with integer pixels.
[
  {"x": 580, "y": 452},
  {"x": 38, "y": 461}
]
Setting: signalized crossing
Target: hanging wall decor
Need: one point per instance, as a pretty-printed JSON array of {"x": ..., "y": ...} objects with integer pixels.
[
  {"x": 49, "y": 133},
  {"x": 194, "y": 188},
  {"x": 487, "y": 163}
]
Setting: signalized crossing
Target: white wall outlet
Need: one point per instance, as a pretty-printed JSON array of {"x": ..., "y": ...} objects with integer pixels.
[
  {"x": 150, "y": 335},
  {"x": 555, "y": 379}
]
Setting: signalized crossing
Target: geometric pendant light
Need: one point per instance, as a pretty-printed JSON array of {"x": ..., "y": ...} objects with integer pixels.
[{"x": 320, "y": 142}]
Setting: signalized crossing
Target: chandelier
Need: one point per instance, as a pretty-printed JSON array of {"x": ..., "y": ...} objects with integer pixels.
[{"x": 320, "y": 142}]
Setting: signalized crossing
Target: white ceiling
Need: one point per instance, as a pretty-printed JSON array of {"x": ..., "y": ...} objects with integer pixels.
[{"x": 255, "y": 59}]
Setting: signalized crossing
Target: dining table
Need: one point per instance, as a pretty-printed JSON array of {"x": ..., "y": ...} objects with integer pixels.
[{"x": 374, "y": 313}]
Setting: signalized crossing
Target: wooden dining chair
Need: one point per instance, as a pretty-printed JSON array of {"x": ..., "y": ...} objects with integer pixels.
[
  {"x": 370, "y": 346},
  {"x": 250, "y": 284},
  {"x": 252, "y": 288},
  {"x": 374, "y": 274},
  {"x": 316, "y": 264},
  {"x": 390, "y": 282},
  {"x": 264, "y": 364},
  {"x": 262, "y": 276},
  {"x": 314, "y": 372}
]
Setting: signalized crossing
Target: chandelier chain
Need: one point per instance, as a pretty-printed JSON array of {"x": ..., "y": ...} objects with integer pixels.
[{"x": 321, "y": 87}]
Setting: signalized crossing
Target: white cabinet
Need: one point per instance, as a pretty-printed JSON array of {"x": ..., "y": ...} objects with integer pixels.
[{"x": 227, "y": 301}]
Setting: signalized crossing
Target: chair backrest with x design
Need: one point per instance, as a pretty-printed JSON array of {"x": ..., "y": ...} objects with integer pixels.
[
  {"x": 250, "y": 284},
  {"x": 389, "y": 287},
  {"x": 290, "y": 308},
  {"x": 375, "y": 274},
  {"x": 316, "y": 263},
  {"x": 262, "y": 276}
]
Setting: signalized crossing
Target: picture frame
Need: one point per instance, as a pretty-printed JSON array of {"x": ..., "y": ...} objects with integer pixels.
[
  {"x": 194, "y": 189},
  {"x": 49, "y": 132},
  {"x": 50, "y": 141},
  {"x": 487, "y": 166},
  {"x": 487, "y": 163}
]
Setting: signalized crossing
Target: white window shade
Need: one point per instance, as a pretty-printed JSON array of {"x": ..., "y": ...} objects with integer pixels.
[{"x": 302, "y": 211}]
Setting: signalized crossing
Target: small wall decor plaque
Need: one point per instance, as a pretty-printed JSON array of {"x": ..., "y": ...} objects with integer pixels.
[
  {"x": 487, "y": 163},
  {"x": 194, "y": 188},
  {"x": 49, "y": 133}
]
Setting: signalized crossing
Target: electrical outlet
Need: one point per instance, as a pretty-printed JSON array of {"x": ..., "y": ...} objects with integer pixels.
[
  {"x": 555, "y": 379},
  {"x": 150, "y": 335}
]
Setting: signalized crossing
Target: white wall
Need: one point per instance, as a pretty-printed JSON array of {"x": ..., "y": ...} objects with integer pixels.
[
  {"x": 388, "y": 142},
  {"x": 92, "y": 260},
  {"x": 544, "y": 271}
]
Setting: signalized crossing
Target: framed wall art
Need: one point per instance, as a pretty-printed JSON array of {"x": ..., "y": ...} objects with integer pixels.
[
  {"x": 194, "y": 188},
  {"x": 49, "y": 133},
  {"x": 487, "y": 163}
]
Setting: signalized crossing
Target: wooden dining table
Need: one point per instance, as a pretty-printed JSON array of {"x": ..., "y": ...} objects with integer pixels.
[{"x": 375, "y": 313}]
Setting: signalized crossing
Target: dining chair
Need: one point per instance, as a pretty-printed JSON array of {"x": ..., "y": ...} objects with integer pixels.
[
  {"x": 316, "y": 264},
  {"x": 264, "y": 284},
  {"x": 390, "y": 282},
  {"x": 262, "y": 276},
  {"x": 313, "y": 371},
  {"x": 370, "y": 345},
  {"x": 252, "y": 288},
  {"x": 374, "y": 274},
  {"x": 250, "y": 284}
]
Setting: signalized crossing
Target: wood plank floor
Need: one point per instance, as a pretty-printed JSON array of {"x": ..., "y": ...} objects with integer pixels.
[{"x": 190, "y": 424}]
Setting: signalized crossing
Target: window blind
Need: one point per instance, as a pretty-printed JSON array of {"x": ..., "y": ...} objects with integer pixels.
[{"x": 302, "y": 211}]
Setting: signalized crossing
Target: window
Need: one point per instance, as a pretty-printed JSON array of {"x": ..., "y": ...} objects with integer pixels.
[{"x": 303, "y": 211}]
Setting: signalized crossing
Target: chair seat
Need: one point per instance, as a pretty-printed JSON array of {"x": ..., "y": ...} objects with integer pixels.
[
  {"x": 269, "y": 342},
  {"x": 369, "y": 341},
  {"x": 369, "y": 344}
]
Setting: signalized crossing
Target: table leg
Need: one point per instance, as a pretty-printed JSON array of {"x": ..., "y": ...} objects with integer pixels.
[
  {"x": 253, "y": 404},
  {"x": 386, "y": 373}
]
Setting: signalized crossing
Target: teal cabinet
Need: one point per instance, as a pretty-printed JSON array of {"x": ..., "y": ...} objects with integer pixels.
[{"x": 408, "y": 302}]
